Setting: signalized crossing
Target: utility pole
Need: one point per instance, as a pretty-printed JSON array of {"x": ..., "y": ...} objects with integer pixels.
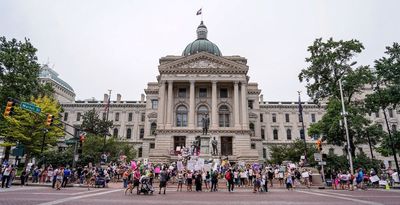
[
  {"x": 45, "y": 131},
  {"x": 303, "y": 132},
  {"x": 344, "y": 114}
]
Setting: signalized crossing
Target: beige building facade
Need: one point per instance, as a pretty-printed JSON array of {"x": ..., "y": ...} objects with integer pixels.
[{"x": 203, "y": 82}]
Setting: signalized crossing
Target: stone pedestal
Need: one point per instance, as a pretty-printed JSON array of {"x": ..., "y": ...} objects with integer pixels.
[{"x": 205, "y": 145}]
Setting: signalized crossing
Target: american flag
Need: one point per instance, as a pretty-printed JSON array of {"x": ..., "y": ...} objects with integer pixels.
[
  {"x": 199, "y": 12},
  {"x": 107, "y": 104}
]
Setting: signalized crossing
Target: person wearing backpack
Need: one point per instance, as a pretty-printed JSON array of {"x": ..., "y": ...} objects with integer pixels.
[{"x": 229, "y": 179}]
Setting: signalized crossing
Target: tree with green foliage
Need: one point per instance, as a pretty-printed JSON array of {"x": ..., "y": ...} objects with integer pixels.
[
  {"x": 291, "y": 152},
  {"x": 19, "y": 71},
  {"x": 28, "y": 128},
  {"x": 387, "y": 95},
  {"x": 331, "y": 61},
  {"x": 94, "y": 125}
]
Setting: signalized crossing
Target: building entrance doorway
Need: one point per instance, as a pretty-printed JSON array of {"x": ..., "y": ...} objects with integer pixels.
[{"x": 226, "y": 146}]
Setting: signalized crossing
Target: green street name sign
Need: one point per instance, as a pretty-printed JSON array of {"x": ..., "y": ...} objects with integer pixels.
[{"x": 30, "y": 107}]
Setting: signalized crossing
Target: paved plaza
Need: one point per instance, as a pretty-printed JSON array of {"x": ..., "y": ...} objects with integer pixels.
[{"x": 75, "y": 195}]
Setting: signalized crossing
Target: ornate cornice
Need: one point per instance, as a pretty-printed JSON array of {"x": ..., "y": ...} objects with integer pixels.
[
  {"x": 199, "y": 131},
  {"x": 99, "y": 105}
]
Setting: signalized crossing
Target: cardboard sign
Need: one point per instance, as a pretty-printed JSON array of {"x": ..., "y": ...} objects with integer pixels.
[
  {"x": 179, "y": 166},
  {"x": 374, "y": 178}
]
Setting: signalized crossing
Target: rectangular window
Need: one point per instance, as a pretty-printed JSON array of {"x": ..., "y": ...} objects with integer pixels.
[
  {"x": 273, "y": 117},
  {"x": 263, "y": 133},
  {"x": 253, "y": 146},
  {"x": 104, "y": 115},
  {"x": 182, "y": 92},
  {"x": 289, "y": 134},
  {"x": 287, "y": 117},
  {"x": 300, "y": 117},
  {"x": 117, "y": 117},
  {"x": 142, "y": 117},
  {"x": 261, "y": 117},
  {"x": 179, "y": 141},
  {"x": 377, "y": 114},
  {"x": 275, "y": 133},
  {"x": 78, "y": 116},
  {"x": 390, "y": 113},
  {"x": 141, "y": 134},
  {"x": 264, "y": 153},
  {"x": 130, "y": 117},
  {"x": 313, "y": 117},
  {"x": 226, "y": 146},
  {"x": 202, "y": 92},
  {"x": 152, "y": 145},
  {"x": 140, "y": 152},
  {"x": 250, "y": 104},
  {"x": 223, "y": 93},
  {"x": 154, "y": 104},
  {"x": 394, "y": 128},
  {"x": 65, "y": 116}
]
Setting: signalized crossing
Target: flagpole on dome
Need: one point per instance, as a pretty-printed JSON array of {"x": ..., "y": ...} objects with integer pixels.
[{"x": 200, "y": 12}]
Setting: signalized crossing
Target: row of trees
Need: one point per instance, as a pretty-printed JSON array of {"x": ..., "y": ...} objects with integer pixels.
[{"x": 331, "y": 61}]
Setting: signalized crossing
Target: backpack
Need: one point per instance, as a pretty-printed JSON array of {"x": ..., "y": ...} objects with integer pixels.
[{"x": 227, "y": 176}]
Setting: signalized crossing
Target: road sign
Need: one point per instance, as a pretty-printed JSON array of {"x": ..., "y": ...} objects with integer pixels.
[
  {"x": 70, "y": 141},
  {"x": 322, "y": 163},
  {"x": 30, "y": 107},
  {"x": 317, "y": 157}
]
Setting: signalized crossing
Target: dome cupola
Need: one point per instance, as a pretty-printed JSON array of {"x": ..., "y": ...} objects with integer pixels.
[{"x": 201, "y": 43}]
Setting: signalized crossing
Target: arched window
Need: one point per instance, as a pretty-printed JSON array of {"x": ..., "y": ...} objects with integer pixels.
[
  {"x": 251, "y": 126},
  {"x": 181, "y": 116},
  {"x": 128, "y": 133},
  {"x": 115, "y": 132},
  {"x": 224, "y": 115},
  {"x": 289, "y": 134},
  {"x": 153, "y": 128},
  {"x": 201, "y": 112},
  {"x": 275, "y": 133}
]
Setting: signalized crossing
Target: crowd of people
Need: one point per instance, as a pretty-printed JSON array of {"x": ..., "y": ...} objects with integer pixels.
[{"x": 258, "y": 177}]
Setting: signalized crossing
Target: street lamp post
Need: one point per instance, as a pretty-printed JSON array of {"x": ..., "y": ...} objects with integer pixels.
[
  {"x": 344, "y": 114},
  {"x": 303, "y": 133}
]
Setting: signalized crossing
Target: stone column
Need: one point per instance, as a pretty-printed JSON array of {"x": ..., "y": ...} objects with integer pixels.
[
  {"x": 214, "y": 111},
  {"x": 245, "y": 121},
  {"x": 236, "y": 104},
  {"x": 169, "y": 110},
  {"x": 192, "y": 105},
  {"x": 161, "y": 100}
]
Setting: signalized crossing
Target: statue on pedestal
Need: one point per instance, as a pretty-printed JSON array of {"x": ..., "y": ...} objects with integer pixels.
[
  {"x": 206, "y": 123},
  {"x": 196, "y": 146},
  {"x": 214, "y": 144}
]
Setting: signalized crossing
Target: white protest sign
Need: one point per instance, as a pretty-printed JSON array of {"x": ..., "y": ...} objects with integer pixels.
[{"x": 374, "y": 178}]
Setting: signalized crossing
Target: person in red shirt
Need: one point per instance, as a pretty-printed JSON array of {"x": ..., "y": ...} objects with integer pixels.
[{"x": 136, "y": 178}]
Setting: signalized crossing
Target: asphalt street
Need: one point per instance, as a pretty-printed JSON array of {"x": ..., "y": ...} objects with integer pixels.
[{"x": 107, "y": 196}]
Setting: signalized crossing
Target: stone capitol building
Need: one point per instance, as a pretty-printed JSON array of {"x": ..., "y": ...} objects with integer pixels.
[{"x": 202, "y": 82}]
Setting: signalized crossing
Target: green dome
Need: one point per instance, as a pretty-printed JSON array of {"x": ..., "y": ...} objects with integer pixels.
[{"x": 201, "y": 44}]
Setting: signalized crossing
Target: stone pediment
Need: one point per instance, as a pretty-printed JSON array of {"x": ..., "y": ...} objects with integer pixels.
[{"x": 203, "y": 63}]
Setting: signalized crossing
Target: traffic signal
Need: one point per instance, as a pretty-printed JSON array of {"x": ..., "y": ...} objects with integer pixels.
[
  {"x": 9, "y": 107},
  {"x": 82, "y": 138},
  {"x": 49, "y": 120},
  {"x": 319, "y": 145}
]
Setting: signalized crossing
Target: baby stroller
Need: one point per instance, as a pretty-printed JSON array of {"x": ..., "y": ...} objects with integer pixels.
[
  {"x": 100, "y": 182},
  {"x": 145, "y": 186}
]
